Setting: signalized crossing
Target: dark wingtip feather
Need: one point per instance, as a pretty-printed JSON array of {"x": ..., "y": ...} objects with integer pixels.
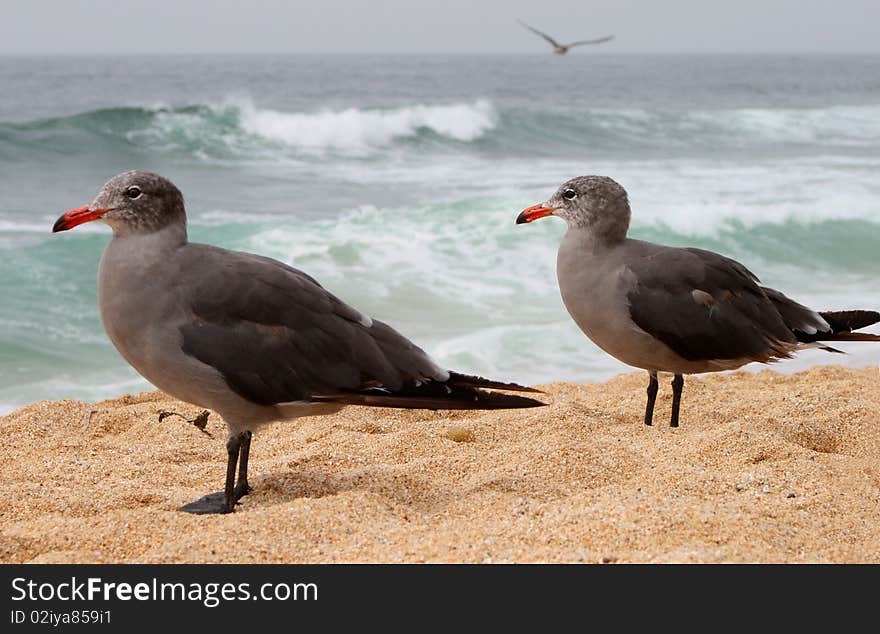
[
  {"x": 456, "y": 378},
  {"x": 468, "y": 399},
  {"x": 460, "y": 391}
]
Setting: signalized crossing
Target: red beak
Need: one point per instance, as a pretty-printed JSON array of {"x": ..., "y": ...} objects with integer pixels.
[
  {"x": 534, "y": 212},
  {"x": 77, "y": 217}
]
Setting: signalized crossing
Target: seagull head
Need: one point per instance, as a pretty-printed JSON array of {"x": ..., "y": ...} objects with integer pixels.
[
  {"x": 131, "y": 202},
  {"x": 595, "y": 203}
]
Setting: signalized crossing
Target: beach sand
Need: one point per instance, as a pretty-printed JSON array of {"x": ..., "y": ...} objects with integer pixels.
[{"x": 765, "y": 468}]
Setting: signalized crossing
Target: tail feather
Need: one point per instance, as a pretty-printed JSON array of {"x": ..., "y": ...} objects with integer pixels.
[
  {"x": 849, "y": 336},
  {"x": 849, "y": 320},
  {"x": 810, "y": 327}
]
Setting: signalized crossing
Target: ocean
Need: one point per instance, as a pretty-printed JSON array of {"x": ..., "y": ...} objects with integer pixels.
[{"x": 395, "y": 181}]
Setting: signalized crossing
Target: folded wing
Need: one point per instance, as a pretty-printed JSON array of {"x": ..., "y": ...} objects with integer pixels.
[
  {"x": 706, "y": 307},
  {"x": 277, "y": 336}
]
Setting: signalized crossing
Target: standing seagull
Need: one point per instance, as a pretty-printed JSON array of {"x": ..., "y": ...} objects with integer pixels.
[
  {"x": 246, "y": 336},
  {"x": 666, "y": 309},
  {"x": 562, "y": 49}
]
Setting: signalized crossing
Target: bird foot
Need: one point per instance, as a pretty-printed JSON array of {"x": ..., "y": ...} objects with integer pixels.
[
  {"x": 215, "y": 503},
  {"x": 242, "y": 489}
]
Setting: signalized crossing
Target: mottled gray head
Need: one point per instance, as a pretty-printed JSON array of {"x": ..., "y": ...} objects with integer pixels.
[
  {"x": 595, "y": 203},
  {"x": 131, "y": 202}
]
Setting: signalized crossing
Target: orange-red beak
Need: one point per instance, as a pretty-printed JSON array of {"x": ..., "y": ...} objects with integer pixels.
[
  {"x": 77, "y": 217},
  {"x": 534, "y": 212}
]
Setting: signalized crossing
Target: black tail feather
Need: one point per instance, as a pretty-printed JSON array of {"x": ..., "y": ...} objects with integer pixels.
[
  {"x": 842, "y": 323},
  {"x": 808, "y": 328},
  {"x": 848, "y": 320},
  {"x": 848, "y": 336}
]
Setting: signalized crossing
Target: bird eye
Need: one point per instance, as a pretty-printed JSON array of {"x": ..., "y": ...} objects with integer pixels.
[
  {"x": 133, "y": 192},
  {"x": 569, "y": 194}
]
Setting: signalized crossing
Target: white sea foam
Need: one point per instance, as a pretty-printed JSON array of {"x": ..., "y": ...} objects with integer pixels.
[
  {"x": 851, "y": 126},
  {"x": 358, "y": 129},
  {"x": 699, "y": 198},
  {"x": 692, "y": 196},
  {"x": 836, "y": 125}
]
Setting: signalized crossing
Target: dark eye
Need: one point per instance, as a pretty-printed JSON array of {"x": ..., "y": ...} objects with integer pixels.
[
  {"x": 569, "y": 194},
  {"x": 133, "y": 192}
]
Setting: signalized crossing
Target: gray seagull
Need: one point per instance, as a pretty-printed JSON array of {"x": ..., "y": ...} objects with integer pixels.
[
  {"x": 246, "y": 336},
  {"x": 678, "y": 310},
  {"x": 562, "y": 49}
]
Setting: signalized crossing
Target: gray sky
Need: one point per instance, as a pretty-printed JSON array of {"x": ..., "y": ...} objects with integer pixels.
[{"x": 373, "y": 26}]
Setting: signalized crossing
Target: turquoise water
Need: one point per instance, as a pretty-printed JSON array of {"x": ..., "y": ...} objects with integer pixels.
[{"x": 396, "y": 181}]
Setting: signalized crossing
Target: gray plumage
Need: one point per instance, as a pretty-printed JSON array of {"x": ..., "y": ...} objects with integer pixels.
[
  {"x": 679, "y": 310},
  {"x": 249, "y": 337}
]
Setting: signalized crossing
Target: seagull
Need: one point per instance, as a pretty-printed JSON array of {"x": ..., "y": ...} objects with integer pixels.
[
  {"x": 246, "y": 336},
  {"x": 677, "y": 310},
  {"x": 562, "y": 49}
]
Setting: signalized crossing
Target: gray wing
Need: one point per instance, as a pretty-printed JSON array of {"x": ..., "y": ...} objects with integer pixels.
[
  {"x": 706, "y": 306},
  {"x": 542, "y": 34},
  {"x": 276, "y": 335},
  {"x": 599, "y": 40}
]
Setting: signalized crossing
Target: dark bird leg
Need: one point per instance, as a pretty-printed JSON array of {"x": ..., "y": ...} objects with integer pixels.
[
  {"x": 242, "y": 488},
  {"x": 223, "y": 501},
  {"x": 652, "y": 397},
  {"x": 677, "y": 387}
]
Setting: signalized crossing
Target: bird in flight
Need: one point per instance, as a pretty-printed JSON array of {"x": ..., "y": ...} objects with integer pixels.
[{"x": 562, "y": 49}]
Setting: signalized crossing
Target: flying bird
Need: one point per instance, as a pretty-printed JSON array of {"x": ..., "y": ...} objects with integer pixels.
[
  {"x": 247, "y": 336},
  {"x": 562, "y": 49},
  {"x": 678, "y": 310}
]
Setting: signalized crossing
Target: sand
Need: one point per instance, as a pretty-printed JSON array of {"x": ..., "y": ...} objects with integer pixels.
[{"x": 765, "y": 468}]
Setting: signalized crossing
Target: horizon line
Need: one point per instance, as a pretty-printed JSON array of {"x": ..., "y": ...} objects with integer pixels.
[{"x": 457, "y": 53}]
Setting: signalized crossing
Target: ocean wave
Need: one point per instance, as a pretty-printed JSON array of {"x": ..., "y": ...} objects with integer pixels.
[
  {"x": 356, "y": 129},
  {"x": 838, "y": 125},
  {"x": 241, "y": 130},
  {"x": 676, "y": 132}
]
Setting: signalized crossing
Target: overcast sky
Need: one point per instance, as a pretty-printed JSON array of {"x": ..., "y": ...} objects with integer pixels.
[{"x": 374, "y": 26}]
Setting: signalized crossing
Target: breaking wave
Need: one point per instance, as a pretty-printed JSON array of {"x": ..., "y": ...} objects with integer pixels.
[{"x": 242, "y": 130}]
